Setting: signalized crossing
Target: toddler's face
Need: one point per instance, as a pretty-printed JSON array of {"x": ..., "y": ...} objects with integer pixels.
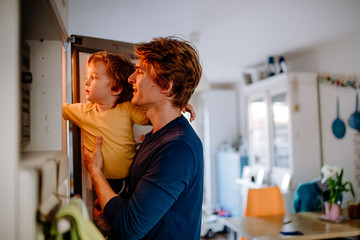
[{"x": 97, "y": 83}]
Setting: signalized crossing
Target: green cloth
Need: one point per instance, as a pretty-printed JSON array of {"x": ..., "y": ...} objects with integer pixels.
[{"x": 81, "y": 227}]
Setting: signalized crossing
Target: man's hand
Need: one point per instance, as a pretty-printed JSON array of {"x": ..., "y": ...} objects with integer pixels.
[
  {"x": 99, "y": 217},
  {"x": 94, "y": 160},
  {"x": 94, "y": 163}
]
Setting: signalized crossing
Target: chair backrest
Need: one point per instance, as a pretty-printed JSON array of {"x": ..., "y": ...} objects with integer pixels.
[
  {"x": 266, "y": 201},
  {"x": 308, "y": 198}
]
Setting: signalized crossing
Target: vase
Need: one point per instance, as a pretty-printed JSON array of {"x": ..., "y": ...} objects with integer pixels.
[{"x": 332, "y": 213}]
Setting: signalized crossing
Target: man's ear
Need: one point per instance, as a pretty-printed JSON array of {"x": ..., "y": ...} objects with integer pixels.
[
  {"x": 117, "y": 92},
  {"x": 169, "y": 89}
]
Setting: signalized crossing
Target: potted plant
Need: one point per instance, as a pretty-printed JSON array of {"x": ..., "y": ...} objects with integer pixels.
[{"x": 334, "y": 176}]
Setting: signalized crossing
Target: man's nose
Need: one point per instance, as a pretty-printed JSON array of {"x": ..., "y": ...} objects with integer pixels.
[{"x": 131, "y": 78}]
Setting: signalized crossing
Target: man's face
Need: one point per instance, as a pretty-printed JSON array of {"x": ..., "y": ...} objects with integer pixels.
[
  {"x": 97, "y": 83},
  {"x": 146, "y": 92}
]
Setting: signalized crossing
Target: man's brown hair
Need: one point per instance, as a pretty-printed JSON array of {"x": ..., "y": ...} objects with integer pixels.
[{"x": 172, "y": 59}]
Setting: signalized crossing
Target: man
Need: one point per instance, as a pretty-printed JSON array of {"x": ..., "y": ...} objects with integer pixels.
[{"x": 166, "y": 186}]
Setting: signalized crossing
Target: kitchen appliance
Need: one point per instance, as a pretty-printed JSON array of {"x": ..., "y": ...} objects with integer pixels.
[{"x": 81, "y": 49}]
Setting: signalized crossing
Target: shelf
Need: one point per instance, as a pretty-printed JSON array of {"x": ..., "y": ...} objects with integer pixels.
[
  {"x": 44, "y": 19},
  {"x": 37, "y": 158},
  {"x": 249, "y": 184}
]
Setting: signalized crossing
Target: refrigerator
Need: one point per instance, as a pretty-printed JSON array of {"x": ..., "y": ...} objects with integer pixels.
[{"x": 81, "y": 49}]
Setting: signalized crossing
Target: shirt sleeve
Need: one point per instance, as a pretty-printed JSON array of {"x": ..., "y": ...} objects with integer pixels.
[
  {"x": 73, "y": 112},
  {"x": 162, "y": 183},
  {"x": 138, "y": 114}
]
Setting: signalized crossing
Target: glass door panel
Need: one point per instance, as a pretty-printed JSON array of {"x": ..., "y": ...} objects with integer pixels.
[
  {"x": 258, "y": 131},
  {"x": 280, "y": 127}
]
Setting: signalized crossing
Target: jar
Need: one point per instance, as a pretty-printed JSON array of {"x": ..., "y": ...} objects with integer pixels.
[{"x": 354, "y": 210}]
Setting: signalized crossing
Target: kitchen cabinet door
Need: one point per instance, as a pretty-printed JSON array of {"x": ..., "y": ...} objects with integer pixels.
[
  {"x": 283, "y": 127},
  {"x": 280, "y": 130},
  {"x": 258, "y": 130}
]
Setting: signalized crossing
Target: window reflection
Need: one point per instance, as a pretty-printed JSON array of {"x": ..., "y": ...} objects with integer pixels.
[
  {"x": 280, "y": 124},
  {"x": 258, "y": 131}
]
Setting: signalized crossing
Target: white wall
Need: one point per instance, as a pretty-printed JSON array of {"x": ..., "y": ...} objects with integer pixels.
[
  {"x": 338, "y": 56},
  {"x": 341, "y": 57},
  {"x": 216, "y": 123}
]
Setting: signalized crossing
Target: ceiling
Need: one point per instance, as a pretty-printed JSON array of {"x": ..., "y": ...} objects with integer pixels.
[{"x": 230, "y": 35}]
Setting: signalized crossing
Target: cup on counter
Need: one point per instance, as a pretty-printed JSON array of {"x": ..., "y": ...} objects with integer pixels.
[{"x": 354, "y": 210}]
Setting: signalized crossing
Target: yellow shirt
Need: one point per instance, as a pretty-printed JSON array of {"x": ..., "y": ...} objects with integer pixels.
[{"x": 116, "y": 128}]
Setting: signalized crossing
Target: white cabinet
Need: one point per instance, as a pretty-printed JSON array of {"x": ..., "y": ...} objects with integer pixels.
[
  {"x": 45, "y": 96},
  {"x": 43, "y": 57},
  {"x": 283, "y": 127},
  {"x": 60, "y": 13}
]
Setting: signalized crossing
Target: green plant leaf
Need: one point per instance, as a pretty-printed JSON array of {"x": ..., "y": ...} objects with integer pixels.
[{"x": 337, "y": 187}]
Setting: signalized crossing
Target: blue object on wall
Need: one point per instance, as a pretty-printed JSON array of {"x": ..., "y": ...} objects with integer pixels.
[
  {"x": 338, "y": 126},
  {"x": 354, "y": 120}
]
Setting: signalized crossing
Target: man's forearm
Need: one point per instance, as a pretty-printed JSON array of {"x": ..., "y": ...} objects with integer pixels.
[{"x": 103, "y": 190}]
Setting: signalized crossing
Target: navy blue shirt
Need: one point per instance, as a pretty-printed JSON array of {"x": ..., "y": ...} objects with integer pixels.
[{"x": 166, "y": 188}]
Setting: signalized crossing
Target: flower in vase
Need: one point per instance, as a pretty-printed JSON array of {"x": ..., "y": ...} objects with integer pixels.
[
  {"x": 334, "y": 176},
  {"x": 329, "y": 172}
]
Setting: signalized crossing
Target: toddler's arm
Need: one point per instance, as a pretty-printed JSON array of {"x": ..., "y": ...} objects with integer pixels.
[{"x": 189, "y": 108}]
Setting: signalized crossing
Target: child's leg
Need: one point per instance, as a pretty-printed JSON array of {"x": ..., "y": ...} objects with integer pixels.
[{"x": 120, "y": 186}]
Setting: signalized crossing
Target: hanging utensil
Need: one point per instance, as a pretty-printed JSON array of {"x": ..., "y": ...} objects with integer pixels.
[
  {"x": 354, "y": 120},
  {"x": 338, "y": 126}
]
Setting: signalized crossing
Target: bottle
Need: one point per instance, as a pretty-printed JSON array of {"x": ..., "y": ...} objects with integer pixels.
[
  {"x": 271, "y": 66},
  {"x": 282, "y": 64}
]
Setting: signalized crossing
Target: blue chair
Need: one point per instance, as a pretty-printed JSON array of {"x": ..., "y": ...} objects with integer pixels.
[{"x": 308, "y": 198}]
